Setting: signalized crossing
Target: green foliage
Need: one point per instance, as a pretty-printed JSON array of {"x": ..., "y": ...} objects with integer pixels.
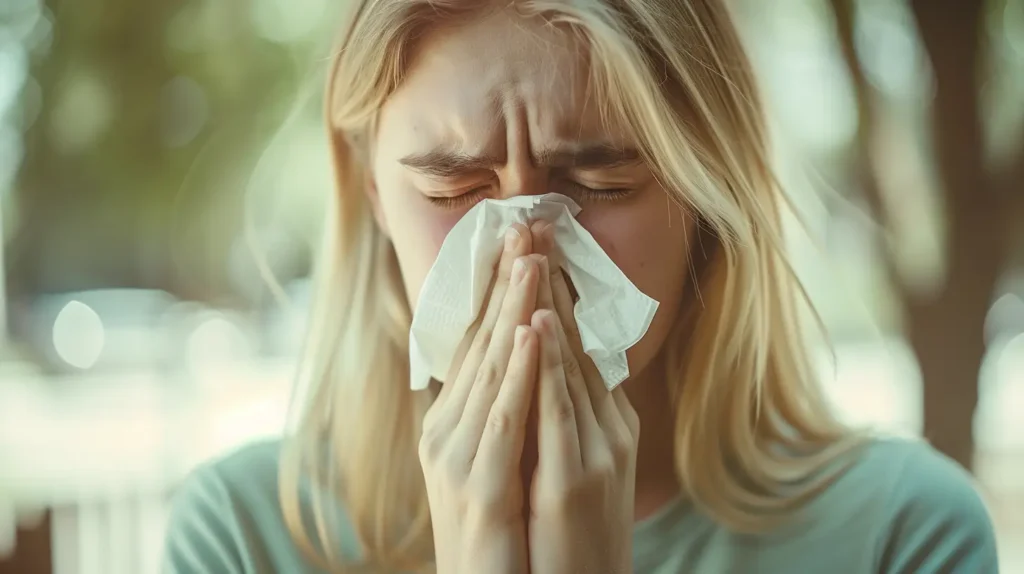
[{"x": 150, "y": 120}]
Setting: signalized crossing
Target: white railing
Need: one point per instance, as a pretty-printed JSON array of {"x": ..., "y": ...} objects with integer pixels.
[{"x": 118, "y": 536}]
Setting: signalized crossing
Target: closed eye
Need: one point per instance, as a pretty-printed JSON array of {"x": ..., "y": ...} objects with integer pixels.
[
  {"x": 458, "y": 201},
  {"x": 573, "y": 189},
  {"x": 587, "y": 193}
]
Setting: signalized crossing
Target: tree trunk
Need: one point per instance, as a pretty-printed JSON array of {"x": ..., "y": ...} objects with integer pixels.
[
  {"x": 945, "y": 327},
  {"x": 947, "y": 332}
]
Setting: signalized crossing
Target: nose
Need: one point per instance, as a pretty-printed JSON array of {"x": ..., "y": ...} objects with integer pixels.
[
  {"x": 520, "y": 175},
  {"x": 522, "y": 178}
]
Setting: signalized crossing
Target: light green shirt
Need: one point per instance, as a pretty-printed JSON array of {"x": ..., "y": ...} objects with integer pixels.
[{"x": 902, "y": 508}]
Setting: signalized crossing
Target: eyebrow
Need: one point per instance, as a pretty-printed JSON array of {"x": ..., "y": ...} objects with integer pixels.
[{"x": 448, "y": 163}]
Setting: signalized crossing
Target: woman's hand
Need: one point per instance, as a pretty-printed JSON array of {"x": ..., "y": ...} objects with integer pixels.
[
  {"x": 473, "y": 434},
  {"x": 581, "y": 503}
]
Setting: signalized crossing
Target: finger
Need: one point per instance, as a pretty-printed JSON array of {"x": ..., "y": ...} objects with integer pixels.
[
  {"x": 501, "y": 445},
  {"x": 558, "y": 436},
  {"x": 519, "y": 304},
  {"x": 544, "y": 245},
  {"x": 458, "y": 360},
  {"x": 588, "y": 429},
  {"x": 543, "y": 234},
  {"x": 581, "y": 374},
  {"x": 518, "y": 242},
  {"x": 591, "y": 437},
  {"x": 564, "y": 307},
  {"x": 630, "y": 418}
]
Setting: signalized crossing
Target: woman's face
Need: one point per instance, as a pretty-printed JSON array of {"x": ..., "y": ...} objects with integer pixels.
[{"x": 497, "y": 108}]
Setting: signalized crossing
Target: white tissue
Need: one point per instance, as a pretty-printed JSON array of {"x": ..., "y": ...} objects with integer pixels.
[{"x": 611, "y": 313}]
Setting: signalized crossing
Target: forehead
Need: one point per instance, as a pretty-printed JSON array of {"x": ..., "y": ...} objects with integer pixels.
[{"x": 474, "y": 84}]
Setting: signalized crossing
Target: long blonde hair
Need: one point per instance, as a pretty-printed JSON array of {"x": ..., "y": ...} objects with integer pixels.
[{"x": 753, "y": 433}]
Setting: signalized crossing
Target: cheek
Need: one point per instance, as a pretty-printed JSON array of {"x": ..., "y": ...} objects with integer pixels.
[
  {"x": 417, "y": 231},
  {"x": 648, "y": 241}
]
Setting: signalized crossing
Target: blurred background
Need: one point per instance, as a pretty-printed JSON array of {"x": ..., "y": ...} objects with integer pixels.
[{"x": 163, "y": 168}]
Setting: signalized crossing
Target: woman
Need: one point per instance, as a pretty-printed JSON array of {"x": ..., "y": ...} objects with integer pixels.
[{"x": 646, "y": 114}]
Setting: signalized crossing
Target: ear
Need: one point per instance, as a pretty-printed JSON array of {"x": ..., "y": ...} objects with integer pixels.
[{"x": 374, "y": 198}]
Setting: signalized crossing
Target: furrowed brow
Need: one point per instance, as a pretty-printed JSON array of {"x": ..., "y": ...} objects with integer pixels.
[
  {"x": 447, "y": 163},
  {"x": 450, "y": 163},
  {"x": 594, "y": 156}
]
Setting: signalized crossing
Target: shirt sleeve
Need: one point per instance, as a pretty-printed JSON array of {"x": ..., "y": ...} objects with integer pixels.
[
  {"x": 941, "y": 524},
  {"x": 203, "y": 534}
]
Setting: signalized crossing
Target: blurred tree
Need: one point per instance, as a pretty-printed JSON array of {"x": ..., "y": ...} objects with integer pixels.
[
  {"x": 151, "y": 118},
  {"x": 945, "y": 324},
  {"x": 94, "y": 172}
]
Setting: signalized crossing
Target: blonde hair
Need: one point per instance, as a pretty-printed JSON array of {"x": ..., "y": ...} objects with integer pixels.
[{"x": 754, "y": 438}]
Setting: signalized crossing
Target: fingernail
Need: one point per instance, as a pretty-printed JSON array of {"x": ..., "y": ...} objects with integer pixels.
[
  {"x": 511, "y": 238},
  {"x": 519, "y": 269},
  {"x": 546, "y": 229},
  {"x": 547, "y": 320}
]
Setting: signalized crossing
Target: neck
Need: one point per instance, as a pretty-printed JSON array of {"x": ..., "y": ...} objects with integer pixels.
[{"x": 656, "y": 479}]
